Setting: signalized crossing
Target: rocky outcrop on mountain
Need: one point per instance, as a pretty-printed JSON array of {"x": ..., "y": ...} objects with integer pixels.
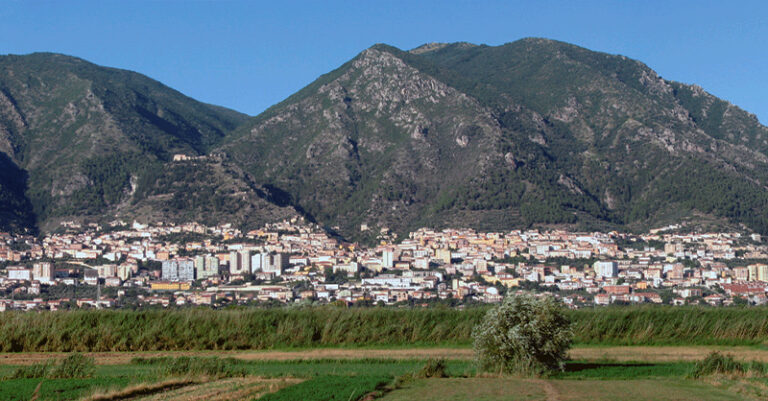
[{"x": 207, "y": 190}]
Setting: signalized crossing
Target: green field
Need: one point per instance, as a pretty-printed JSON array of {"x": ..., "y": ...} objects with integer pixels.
[
  {"x": 482, "y": 389},
  {"x": 352, "y": 379}
]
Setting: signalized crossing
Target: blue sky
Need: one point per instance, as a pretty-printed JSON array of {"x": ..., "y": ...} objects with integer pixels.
[{"x": 250, "y": 55}]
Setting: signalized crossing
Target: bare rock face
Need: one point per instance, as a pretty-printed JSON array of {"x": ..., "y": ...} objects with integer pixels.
[
  {"x": 462, "y": 141},
  {"x": 222, "y": 192},
  {"x": 570, "y": 184},
  {"x": 609, "y": 200},
  {"x": 567, "y": 113},
  {"x": 510, "y": 159},
  {"x": 655, "y": 84}
]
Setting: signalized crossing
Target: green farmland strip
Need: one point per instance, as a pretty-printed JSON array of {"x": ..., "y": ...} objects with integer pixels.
[{"x": 327, "y": 388}]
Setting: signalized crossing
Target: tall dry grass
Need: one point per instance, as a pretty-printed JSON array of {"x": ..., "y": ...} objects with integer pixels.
[{"x": 206, "y": 329}]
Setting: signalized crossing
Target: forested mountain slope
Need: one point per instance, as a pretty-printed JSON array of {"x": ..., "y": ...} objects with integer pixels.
[{"x": 535, "y": 131}]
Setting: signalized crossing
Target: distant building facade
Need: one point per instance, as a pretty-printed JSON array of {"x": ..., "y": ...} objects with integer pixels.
[{"x": 178, "y": 270}]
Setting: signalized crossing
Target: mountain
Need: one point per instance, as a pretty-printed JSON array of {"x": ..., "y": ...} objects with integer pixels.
[
  {"x": 81, "y": 140},
  {"x": 533, "y": 132},
  {"x": 530, "y": 132}
]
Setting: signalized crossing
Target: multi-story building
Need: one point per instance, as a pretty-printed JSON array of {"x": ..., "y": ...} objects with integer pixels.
[
  {"x": 186, "y": 270},
  {"x": 741, "y": 273},
  {"x": 762, "y": 272},
  {"x": 170, "y": 270},
  {"x": 43, "y": 272},
  {"x": 211, "y": 267},
  {"x": 387, "y": 259},
  {"x": 200, "y": 265},
  {"x": 106, "y": 271},
  {"x": 275, "y": 263},
  {"x": 258, "y": 261},
  {"x": 444, "y": 255},
  {"x": 752, "y": 272},
  {"x": 245, "y": 261},
  {"x": 91, "y": 276},
  {"x": 206, "y": 266},
  {"x": 124, "y": 271},
  {"x": 239, "y": 262},
  {"x": 19, "y": 274},
  {"x": 178, "y": 270},
  {"x": 606, "y": 269}
]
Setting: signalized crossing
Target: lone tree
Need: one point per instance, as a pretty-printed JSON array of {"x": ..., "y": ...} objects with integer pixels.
[{"x": 524, "y": 335}]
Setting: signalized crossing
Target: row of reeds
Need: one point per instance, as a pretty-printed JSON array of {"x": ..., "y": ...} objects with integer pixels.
[{"x": 205, "y": 329}]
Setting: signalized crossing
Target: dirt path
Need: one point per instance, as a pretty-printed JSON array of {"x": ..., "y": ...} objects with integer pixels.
[
  {"x": 197, "y": 389},
  {"x": 641, "y": 354},
  {"x": 224, "y": 390},
  {"x": 119, "y": 358},
  {"x": 665, "y": 354},
  {"x": 551, "y": 392}
]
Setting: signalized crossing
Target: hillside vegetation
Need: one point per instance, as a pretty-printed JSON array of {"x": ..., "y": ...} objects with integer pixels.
[
  {"x": 530, "y": 132},
  {"x": 75, "y": 138}
]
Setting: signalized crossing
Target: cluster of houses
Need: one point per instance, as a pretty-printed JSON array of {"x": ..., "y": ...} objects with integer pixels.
[{"x": 294, "y": 261}]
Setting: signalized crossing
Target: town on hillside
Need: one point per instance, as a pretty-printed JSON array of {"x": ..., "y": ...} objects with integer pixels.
[{"x": 120, "y": 265}]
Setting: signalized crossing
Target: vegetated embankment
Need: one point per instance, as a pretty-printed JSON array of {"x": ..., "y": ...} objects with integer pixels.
[{"x": 240, "y": 329}]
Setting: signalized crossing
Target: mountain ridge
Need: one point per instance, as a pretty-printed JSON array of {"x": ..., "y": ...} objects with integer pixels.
[
  {"x": 531, "y": 132},
  {"x": 548, "y": 96},
  {"x": 82, "y": 133}
]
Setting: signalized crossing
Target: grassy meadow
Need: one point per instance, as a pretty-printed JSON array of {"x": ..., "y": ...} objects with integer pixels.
[{"x": 386, "y": 379}]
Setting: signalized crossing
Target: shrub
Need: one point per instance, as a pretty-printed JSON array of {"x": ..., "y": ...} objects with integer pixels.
[
  {"x": 195, "y": 366},
  {"x": 755, "y": 368},
  {"x": 719, "y": 364},
  {"x": 403, "y": 380},
  {"x": 33, "y": 371},
  {"x": 433, "y": 368},
  {"x": 524, "y": 335},
  {"x": 74, "y": 366},
  {"x": 716, "y": 363}
]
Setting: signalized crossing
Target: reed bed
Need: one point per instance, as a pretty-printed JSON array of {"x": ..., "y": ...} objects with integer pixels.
[{"x": 244, "y": 329}]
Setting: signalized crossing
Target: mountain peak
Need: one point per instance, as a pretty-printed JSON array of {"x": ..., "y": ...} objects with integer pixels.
[
  {"x": 532, "y": 132},
  {"x": 81, "y": 136},
  {"x": 558, "y": 134},
  {"x": 45, "y": 60},
  {"x": 428, "y": 47}
]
